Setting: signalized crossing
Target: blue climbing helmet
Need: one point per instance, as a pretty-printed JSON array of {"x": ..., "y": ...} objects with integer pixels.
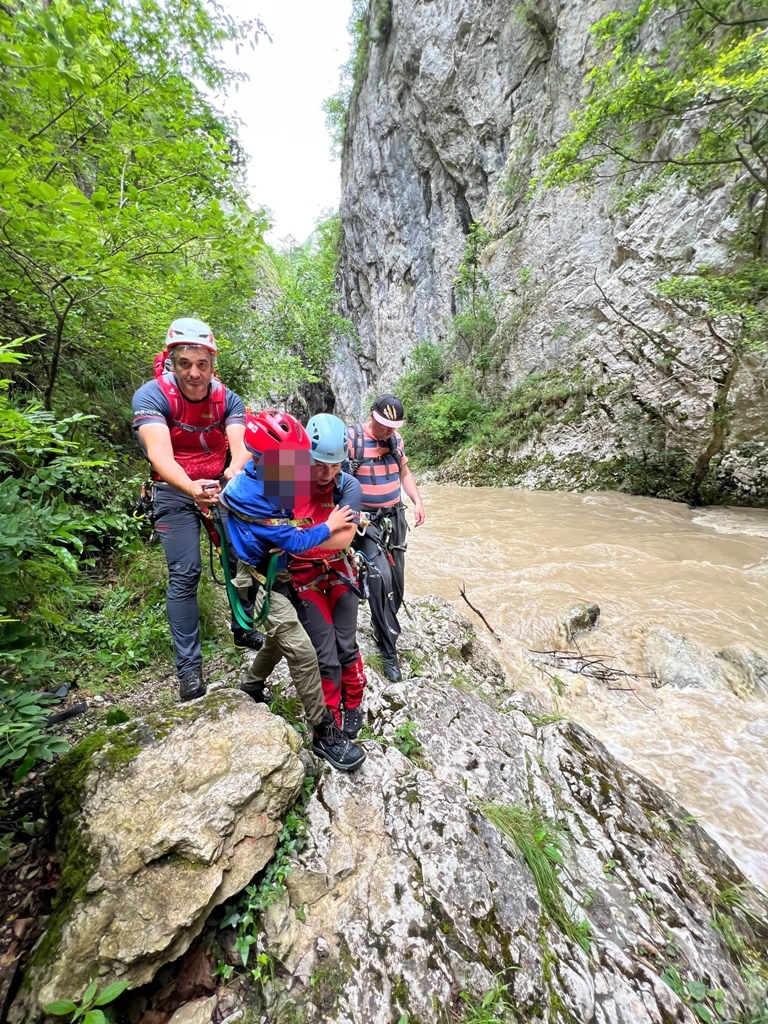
[{"x": 329, "y": 438}]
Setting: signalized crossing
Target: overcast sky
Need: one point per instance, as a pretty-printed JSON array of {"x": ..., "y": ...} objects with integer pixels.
[{"x": 291, "y": 169}]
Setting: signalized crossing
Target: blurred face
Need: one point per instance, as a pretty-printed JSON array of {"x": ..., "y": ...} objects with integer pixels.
[
  {"x": 289, "y": 477},
  {"x": 327, "y": 473},
  {"x": 193, "y": 366}
]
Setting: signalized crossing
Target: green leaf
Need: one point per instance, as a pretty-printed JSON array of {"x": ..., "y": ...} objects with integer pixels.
[
  {"x": 703, "y": 1012},
  {"x": 42, "y": 190},
  {"x": 21, "y": 772},
  {"x": 89, "y": 993},
  {"x": 111, "y": 992},
  {"x": 59, "y": 1007},
  {"x": 696, "y": 990},
  {"x": 94, "y": 1017}
]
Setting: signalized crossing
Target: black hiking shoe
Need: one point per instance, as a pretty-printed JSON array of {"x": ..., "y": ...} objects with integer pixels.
[
  {"x": 251, "y": 639},
  {"x": 191, "y": 684},
  {"x": 257, "y": 691},
  {"x": 329, "y": 741},
  {"x": 353, "y": 722},
  {"x": 391, "y": 670}
]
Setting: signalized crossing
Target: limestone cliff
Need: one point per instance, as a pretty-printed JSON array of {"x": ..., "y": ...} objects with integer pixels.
[{"x": 459, "y": 101}]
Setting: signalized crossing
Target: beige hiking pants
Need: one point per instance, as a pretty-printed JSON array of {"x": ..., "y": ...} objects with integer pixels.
[{"x": 285, "y": 638}]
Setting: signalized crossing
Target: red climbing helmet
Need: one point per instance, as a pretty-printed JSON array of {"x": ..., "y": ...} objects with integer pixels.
[{"x": 274, "y": 431}]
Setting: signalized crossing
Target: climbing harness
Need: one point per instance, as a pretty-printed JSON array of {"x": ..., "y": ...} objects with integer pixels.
[
  {"x": 381, "y": 519},
  {"x": 217, "y": 535},
  {"x": 328, "y": 574},
  {"x": 143, "y": 510}
]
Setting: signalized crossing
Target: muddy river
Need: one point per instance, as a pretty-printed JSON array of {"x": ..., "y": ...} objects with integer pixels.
[{"x": 526, "y": 556}]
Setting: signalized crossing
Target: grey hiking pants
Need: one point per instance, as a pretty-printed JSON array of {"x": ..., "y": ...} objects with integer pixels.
[
  {"x": 285, "y": 638},
  {"x": 178, "y": 527}
]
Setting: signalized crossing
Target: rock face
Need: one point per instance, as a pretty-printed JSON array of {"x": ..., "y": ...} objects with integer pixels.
[
  {"x": 581, "y": 618},
  {"x": 162, "y": 819},
  {"x": 410, "y": 900},
  {"x": 677, "y": 661},
  {"x": 458, "y": 103}
]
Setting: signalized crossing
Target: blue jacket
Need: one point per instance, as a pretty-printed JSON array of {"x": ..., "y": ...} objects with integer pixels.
[{"x": 252, "y": 541}]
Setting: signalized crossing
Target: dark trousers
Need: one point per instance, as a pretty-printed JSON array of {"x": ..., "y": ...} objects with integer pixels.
[
  {"x": 178, "y": 527},
  {"x": 383, "y": 546}
]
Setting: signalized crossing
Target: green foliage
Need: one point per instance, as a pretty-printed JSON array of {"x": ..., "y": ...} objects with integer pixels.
[
  {"x": 540, "y": 842},
  {"x": 123, "y": 194},
  {"x": 92, "y": 998},
  {"x": 415, "y": 662},
  {"x": 124, "y": 205},
  {"x": 23, "y": 735},
  {"x": 375, "y": 661},
  {"x": 470, "y": 279},
  {"x": 124, "y": 626},
  {"x": 351, "y": 76},
  {"x": 407, "y": 742},
  {"x": 528, "y": 408},
  {"x": 245, "y": 915},
  {"x": 475, "y": 323},
  {"x": 301, "y": 319},
  {"x": 707, "y": 84},
  {"x": 447, "y": 411},
  {"x": 443, "y": 404},
  {"x": 290, "y": 709},
  {"x": 493, "y": 1007},
  {"x": 56, "y": 513},
  {"x": 706, "y": 1003}
]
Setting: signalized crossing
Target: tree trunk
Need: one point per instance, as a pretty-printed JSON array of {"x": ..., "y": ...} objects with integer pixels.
[
  {"x": 53, "y": 369},
  {"x": 719, "y": 431},
  {"x": 761, "y": 235}
]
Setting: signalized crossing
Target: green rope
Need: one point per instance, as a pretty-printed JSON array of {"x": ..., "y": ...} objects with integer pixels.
[{"x": 240, "y": 615}]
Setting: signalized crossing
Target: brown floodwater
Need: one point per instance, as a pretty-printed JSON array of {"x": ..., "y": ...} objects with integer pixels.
[{"x": 527, "y": 556}]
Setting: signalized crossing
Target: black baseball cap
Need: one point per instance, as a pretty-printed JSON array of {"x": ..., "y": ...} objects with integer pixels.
[{"x": 388, "y": 411}]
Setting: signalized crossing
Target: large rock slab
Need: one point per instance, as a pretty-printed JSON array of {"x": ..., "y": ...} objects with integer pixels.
[
  {"x": 407, "y": 894},
  {"x": 159, "y": 821}
]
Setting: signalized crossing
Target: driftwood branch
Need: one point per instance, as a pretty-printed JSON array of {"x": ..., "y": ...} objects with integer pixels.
[
  {"x": 477, "y": 611},
  {"x": 592, "y": 666}
]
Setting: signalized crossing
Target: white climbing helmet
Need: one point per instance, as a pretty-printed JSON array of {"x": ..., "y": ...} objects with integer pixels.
[{"x": 188, "y": 331}]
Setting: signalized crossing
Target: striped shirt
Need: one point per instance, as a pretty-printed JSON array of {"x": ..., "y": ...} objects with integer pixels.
[{"x": 379, "y": 475}]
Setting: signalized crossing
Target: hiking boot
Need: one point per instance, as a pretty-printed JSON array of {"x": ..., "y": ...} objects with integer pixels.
[
  {"x": 353, "y": 722},
  {"x": 251, "y": 639},
  {"x": 191, "y": 684},
  {"x": 257, "y": 692},
  {"x": 391, "y": 670},
  {"x": 329, "y": 741}
]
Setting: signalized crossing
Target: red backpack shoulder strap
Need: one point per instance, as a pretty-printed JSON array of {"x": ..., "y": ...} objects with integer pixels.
[
  {"x": 162, "y": 364},
  {"x": 170, "y": 389},
  {"x": 218, "y": 401}
]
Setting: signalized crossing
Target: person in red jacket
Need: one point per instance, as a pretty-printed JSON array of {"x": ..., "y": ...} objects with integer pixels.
[
  {"x": 326, "y": 581},
  {"x": 188, "y": 425}
]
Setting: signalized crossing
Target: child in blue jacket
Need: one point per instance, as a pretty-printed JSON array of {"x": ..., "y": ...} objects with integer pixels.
[{"x": 260, "y": 501}]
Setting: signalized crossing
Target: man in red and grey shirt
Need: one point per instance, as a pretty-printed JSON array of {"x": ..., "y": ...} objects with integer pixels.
[
  {"x": 378, "y": 460},
  {"x": 190, "y": 428}
]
